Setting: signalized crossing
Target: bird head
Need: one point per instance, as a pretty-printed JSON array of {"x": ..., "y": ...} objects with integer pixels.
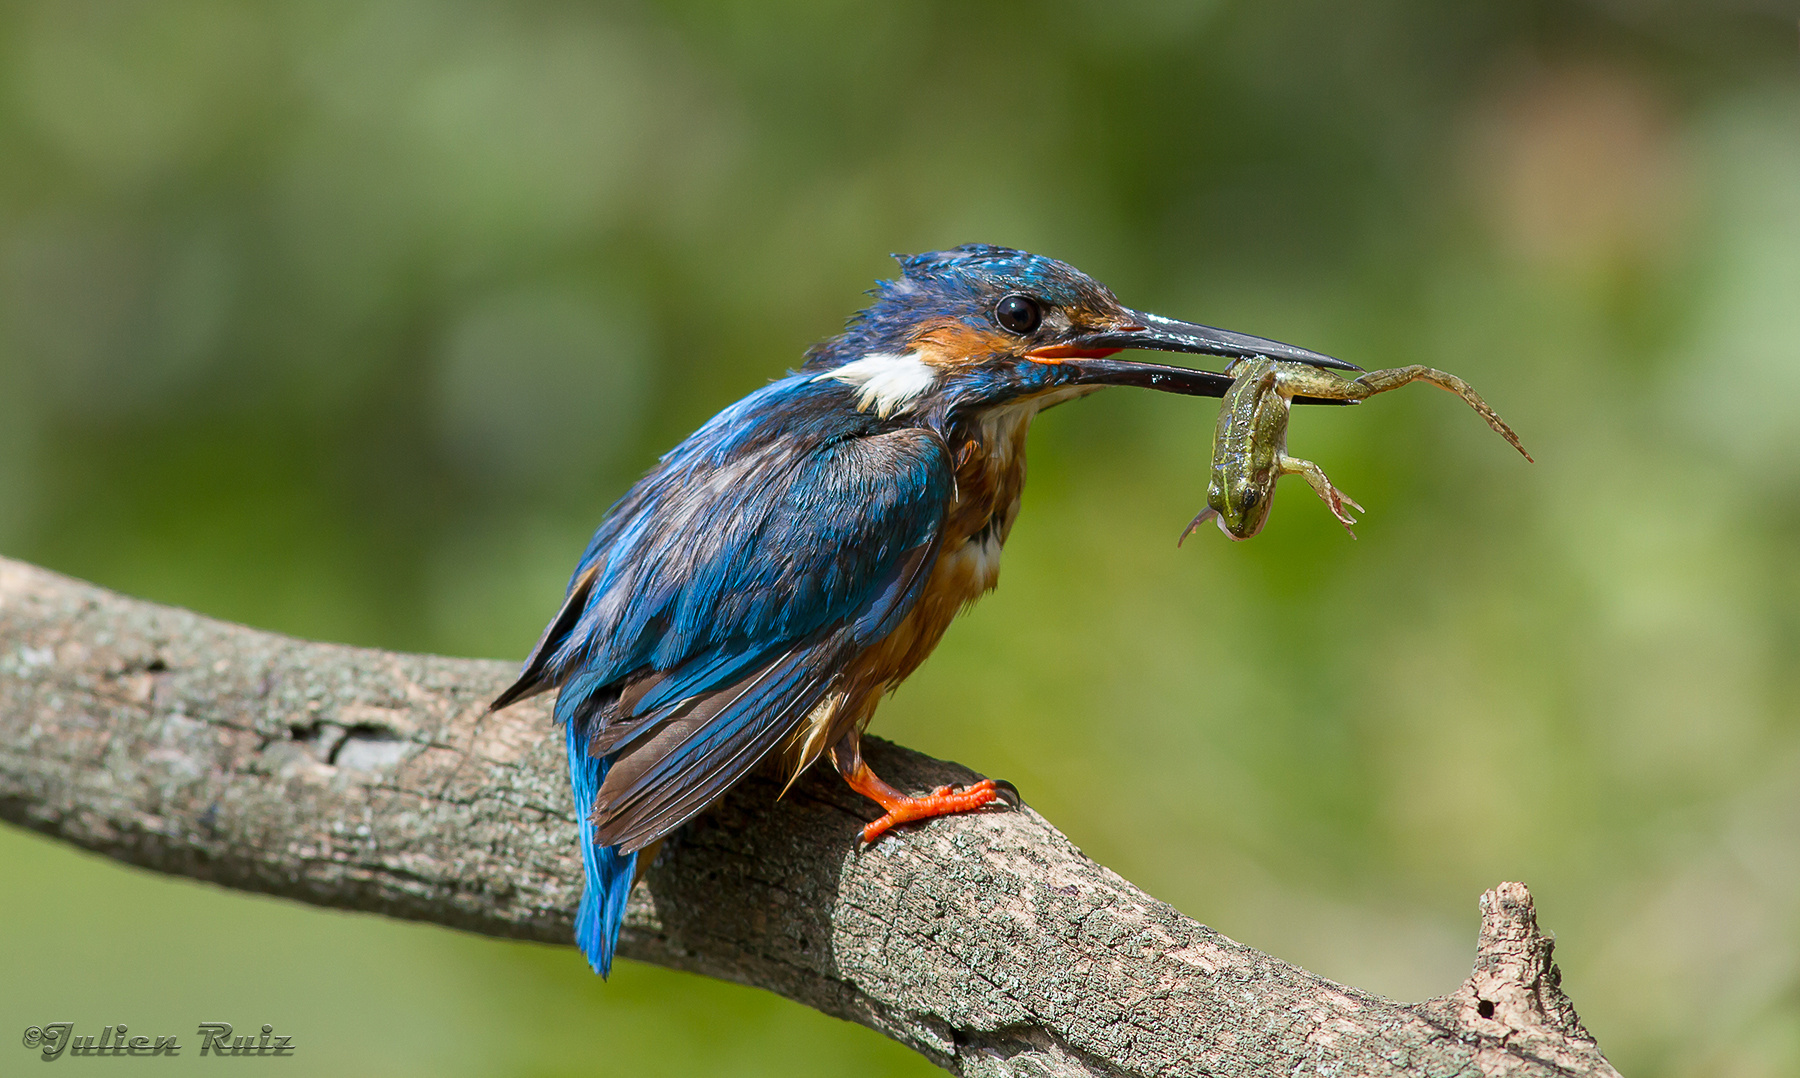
[{"x": 984, "y": 324}]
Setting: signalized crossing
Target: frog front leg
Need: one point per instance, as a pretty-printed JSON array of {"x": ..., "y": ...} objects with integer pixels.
[{"x": 1315, "y": 476}]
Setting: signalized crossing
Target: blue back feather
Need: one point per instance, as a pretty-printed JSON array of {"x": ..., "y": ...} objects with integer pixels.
[{"x": 750, "y": 534}]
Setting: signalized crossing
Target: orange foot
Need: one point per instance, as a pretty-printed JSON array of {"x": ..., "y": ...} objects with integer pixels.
[{"x": 939, "y": 802}]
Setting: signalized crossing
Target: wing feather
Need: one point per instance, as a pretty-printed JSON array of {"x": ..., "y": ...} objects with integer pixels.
[
  {"x": 695, "y": 755},
  {"x": 724, "y": 594}
]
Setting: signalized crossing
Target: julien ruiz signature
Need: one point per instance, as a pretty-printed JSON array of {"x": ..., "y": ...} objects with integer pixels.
[{"x": 53, "y": 1039}]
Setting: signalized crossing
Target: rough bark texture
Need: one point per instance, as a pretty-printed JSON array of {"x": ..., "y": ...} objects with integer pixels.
[{"x": 375, "y": 781}]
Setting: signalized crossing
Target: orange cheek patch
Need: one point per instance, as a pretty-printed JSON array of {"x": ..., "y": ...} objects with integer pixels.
[{"x": 953, "y": 343}]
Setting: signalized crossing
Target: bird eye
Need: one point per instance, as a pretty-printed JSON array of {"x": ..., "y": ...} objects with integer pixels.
[{"x": 1018, "y": 314}]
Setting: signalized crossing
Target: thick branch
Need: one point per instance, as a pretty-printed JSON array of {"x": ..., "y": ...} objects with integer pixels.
[{"x": 375, "y": 781}]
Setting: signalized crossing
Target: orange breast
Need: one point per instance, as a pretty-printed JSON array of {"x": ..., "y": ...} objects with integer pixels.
[{"x": 990, "y": 474}]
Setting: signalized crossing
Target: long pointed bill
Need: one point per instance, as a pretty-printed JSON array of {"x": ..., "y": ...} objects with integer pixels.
[
  {"x": 1087, "y": 354},
  {"x": 1160, "y": 334}
]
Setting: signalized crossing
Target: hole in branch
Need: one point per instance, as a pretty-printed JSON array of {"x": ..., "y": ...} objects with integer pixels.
[{"x": 366, "y": 747}]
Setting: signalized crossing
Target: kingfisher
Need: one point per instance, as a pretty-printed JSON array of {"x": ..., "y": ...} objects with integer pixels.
[{"x": 757, "y": 592}]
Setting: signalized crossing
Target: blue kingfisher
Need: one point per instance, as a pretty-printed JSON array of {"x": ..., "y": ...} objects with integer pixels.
[{"x": 758, "y": 591}]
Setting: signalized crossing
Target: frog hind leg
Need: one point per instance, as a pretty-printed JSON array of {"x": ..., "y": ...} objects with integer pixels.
[
  {"x": 1333, "y": 498},
  {"x": 1381, "y": 381}
]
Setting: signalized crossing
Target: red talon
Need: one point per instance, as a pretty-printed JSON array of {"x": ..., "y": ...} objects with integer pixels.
[{"x": 940, "y": 802}]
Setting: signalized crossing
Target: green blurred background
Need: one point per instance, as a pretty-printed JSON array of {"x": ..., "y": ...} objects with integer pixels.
[{"x": 348, "y": 319}]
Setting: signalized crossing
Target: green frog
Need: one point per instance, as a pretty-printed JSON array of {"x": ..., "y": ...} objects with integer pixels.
[{"x": 1250, "y": 448}]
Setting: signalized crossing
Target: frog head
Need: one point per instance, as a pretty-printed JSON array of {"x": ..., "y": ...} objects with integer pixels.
[{"x": 1238, "y": 502}]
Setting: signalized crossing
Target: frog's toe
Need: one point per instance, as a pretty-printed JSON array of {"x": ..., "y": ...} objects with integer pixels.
[{"x": 1337, "y": 501}]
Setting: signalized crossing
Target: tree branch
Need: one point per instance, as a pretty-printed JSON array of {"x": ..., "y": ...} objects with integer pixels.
[{"x": 375, "y": 781}]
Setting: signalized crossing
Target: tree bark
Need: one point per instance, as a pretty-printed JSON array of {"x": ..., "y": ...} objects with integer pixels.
[{"x": 377, "y": 781}]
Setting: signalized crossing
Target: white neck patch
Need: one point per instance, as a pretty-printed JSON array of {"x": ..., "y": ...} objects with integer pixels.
[{"x": 888, "y": 382}]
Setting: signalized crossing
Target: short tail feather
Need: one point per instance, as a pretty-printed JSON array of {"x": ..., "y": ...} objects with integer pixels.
[{"x": 609, "y": 872}]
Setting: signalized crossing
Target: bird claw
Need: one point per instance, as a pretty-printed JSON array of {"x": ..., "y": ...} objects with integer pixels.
[{"x": 943, "y": 801}]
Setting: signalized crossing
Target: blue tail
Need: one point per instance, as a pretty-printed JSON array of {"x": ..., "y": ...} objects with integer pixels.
[{"x": 609, "y": 872}]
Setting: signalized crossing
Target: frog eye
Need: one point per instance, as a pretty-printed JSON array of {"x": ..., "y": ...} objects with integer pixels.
[{"x": 1250, "y": 497}]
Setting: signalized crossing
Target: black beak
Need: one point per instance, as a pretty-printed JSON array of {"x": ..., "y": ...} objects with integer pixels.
[
  {"x": 1087, "y": 355},
  {"x": 1102, "y": 371},
  {"x": 1160, "y": 334}
]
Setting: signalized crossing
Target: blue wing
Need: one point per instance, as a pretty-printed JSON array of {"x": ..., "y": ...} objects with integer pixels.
[{"x": 717, "y": 604}]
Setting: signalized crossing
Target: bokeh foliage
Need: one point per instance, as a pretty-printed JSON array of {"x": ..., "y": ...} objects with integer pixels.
[{"x": 348, "y": 319}]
